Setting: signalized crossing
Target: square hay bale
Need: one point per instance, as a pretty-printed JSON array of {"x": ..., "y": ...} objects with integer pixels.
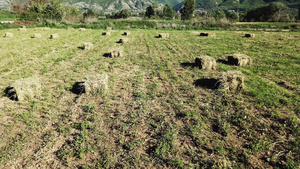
[
  {"x": 88, "y": 46},
  {"x": 81, "y": 29},
  {"x": 92, "y": 85},
  {"x": 106, "y": 33},
  {"x": 36, "y": 29},
  {"x": 36, "y": 35},
  {"x": 109, "y": 28},
  {"x": 239, "y": 60},
  {"x": 126, "y": 33},
  {"x": 231, "y": 80},
  {"x": 124, "y": 40},
  {"x": 22, "y": 29},
  {"x": 70, "y": 28},
  {"x": 8, "y": 35},
  {"x": 23, "y": 26},
  {"x": 206, "y": 63},
  {"x": 116, "y": 52},
  {"x": 54, "y": 36},
  {"x": 24, "y": 89},
  {"x": 208, "y": 34},
  {"x": 163, "y": 35},
  {"x": 249, "y": 35},
  {"x": 46, "y": 28}
]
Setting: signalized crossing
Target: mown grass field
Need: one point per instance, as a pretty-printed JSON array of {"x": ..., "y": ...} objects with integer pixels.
[{"x": 152, "y": 116}]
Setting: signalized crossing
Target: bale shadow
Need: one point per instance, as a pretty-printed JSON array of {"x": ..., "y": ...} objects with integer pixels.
[
  {"x": 207, "y": 83},
  {"x": 78, "y": 88},
  {"x": 11, "y": 94},
  {"x": 226, "y": 62},
  {"x": 80, "y": 47},
  {"x": 188, "y": 64},
  {"x": 158, "y": 37},
  {"x": 107, "y": 55}
]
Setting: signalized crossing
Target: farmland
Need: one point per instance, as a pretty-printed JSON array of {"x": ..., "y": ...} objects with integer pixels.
[{"x": 153, "y": 114}]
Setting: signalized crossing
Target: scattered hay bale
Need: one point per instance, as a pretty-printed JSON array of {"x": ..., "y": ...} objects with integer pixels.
[
  {"x": 36, "y": 29},
  {"x": 239, "y": 60},
  {"x": 163, "y": 35},
  {"x": 106, "y": 33},
  {"x": 22, "y": 29},
  {"x": 124, "y": 40},
  {"x": 126, "y": 33},
  {"x": 93, "y": 85},
  {"x": 116, "y": 52},
  {"x": 88, "y": 46},
  {"x": 23, "y": 26},
  {"x": 36, "y": 35},
  {"x": 206, "y": 63},
  {"x": 109, "y": 28},
  {"x": 24, "y": 89},
  {"x": 81, "y": 29},
  {"x": 231, "y": 80},
  {"x": 46, "y": 28},
  {"x": 70, "y": 28},
  {"x": 8, "y": 35},
  {"x": 249, "y": 35},
  {"x": 54, "y": 36},
  {"x": 208, "y": 34}
]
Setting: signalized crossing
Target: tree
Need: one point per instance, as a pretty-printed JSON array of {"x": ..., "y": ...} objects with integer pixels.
[
  {"x": 299, "y": 13},
  {"x": 271, "y": 13},
  {"x": 124, "y": 13},
  {"x": 188, "y": 9},
  {"x": 149, "y": 11},
  {"x": 232, "y": 16},
  {"x": 168, "y": 12}
]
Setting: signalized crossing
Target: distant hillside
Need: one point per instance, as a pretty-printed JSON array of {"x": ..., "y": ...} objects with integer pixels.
[
  {"x": 236, "y": 4},
  {"x": 109, "y": 6}
]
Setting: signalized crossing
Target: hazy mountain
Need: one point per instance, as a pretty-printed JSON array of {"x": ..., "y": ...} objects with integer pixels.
[
  {"x": 109, "y": 6},
  {"x": 236, "y": 4}
]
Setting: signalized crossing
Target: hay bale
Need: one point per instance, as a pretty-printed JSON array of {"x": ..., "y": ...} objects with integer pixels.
[
  {"x": 206, "y": 63},
  {"x": 92, "y": 85},
  {"x": 8, "y": 35},
  {"x": 22, "y": 29},
  {"x": 88, "y": 46},
  {"x": 106, "y": 33},
  {"x": 70, "y": 28},
  {"x": 124, "y": 40},
  {"x": 231, "y": 80},
  {"x": 249, "y": 35},
  {"x": 36, "y": 29},
  {"x": 54, "y": 36},
  {"x": 163, "y": 35},
  {"x": 208, "y": 34},
  {"x": 239, "y": 60},
  {"x": 23, "y": 26},
  {"x": 116, "y": 52},
  {"x": 81, "y": 29},
  {"x": 36, "y": 35},
  {"x": 127, "y": 33},
  {"x": 109, "y": 28},
  {"x": 24, "y": 89},
  {"x": 46, "y": 28}
]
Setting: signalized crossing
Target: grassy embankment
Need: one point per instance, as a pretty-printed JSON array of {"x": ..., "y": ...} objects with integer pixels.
[{"x": 152, "y": 115}]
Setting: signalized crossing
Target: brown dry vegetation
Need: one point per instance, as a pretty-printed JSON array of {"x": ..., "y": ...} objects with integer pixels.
[{"x": 155, "y": 113}]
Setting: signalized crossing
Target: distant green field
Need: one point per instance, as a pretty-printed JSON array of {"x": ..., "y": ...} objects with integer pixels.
[
  {"x": 153, "y": 114},
  {"x": 8, "y": 16}
]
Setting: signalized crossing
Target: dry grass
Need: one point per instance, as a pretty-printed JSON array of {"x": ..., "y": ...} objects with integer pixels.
[
  {"x": 206, "y": 63},
  {"x": 239, "y": 60},
  {"x": 36, "y": 35},
  {"x": 88, "y": 46},
  {"x": 8, "y": 35}
]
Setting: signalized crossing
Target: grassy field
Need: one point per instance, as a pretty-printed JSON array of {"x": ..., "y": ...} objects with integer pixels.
[{"x": 152, "y": 115}]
